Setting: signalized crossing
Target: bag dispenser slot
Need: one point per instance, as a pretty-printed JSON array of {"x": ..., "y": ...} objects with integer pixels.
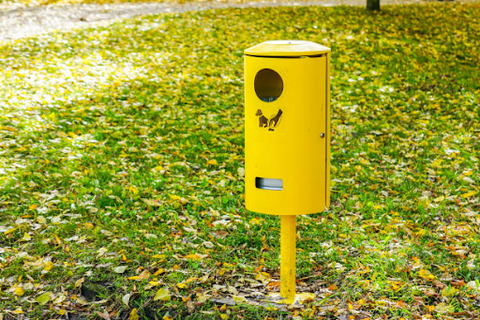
[{"x": 269, "y": 184}]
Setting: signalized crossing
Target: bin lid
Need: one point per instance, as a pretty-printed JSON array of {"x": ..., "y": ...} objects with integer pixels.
[{"x": 287, "y": 48}]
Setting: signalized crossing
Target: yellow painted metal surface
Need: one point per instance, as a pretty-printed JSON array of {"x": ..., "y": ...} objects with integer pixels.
[
  {"x": 287, "y": 128},
  {"x": 287, "y": 257},
  {"x": 279, "y": 48}
]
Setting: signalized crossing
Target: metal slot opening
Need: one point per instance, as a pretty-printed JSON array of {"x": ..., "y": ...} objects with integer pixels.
[{"x": 269, "y": 184}]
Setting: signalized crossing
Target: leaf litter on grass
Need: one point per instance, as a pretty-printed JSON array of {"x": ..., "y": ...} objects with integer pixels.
[{"x": 121, "y": 169}]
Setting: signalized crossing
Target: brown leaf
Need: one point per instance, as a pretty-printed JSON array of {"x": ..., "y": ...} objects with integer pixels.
[
  {"x": 458, "y": 283},
  {"x": 102, "y": 315},
  {"x": 438, "y": 284}
]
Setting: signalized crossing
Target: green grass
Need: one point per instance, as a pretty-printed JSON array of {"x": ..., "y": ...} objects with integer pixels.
[{"x": 107, "y": 141}]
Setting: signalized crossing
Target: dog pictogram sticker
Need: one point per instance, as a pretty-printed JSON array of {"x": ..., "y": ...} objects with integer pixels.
[{"x": 270, "y": 123}]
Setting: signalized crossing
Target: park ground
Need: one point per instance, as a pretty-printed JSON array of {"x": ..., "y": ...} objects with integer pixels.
[{"x": 122, "y": 165}]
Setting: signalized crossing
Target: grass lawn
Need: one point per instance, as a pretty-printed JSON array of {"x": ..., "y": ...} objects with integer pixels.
[
  {"x": 121, "y": 169},
  {"x": 61, "y": 2}
]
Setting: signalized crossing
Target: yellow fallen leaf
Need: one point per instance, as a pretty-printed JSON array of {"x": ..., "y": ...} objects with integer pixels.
[
  {"x": 79, "y": 282},
  {"x": 18, "y": 311},
  {"x": 425, "y": 274},
  {"x": 88, "y": 225},
  {"x": 167, "y": 317},
  {"x": 195, "y": 256},
  {"x": 163, "y": 294},
  {"x": 133, "y": 314},
  {"x": 182, "y": 285},
  {"x": 158, "y": 256},
  {"x": 8, "y": 128},
  {"x": 159, "y": 271},
  {"x": 183, "y": 201},
  {"x": 449, "y": 291},
  {"x": 57, "y": 239},
  {"x": 469, "y": 194},
  {"x": 43, "y": 298},
  {"x": 212, "y": 162},
  {"x": 19, "y": 291},
  {"x": 262, "y": 277},
  {"x": 9, "y": 231},
  {"x": 33, "y": 207},
  {"x": 190, "y": 279},
  {"x": 223, "y": 316},
  {"x": 132, "y": 189},
  {"x": 48, "y": 265},
  {"x": 142, "y": 276},
  {"x": 239, "y": 299},
  {"x": 26, "y": 237}
]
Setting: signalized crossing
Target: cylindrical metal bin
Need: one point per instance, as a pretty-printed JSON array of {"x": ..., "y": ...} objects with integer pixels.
[{"x": 287, "y": 127}]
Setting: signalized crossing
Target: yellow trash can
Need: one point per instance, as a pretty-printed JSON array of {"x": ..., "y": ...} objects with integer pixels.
[{"x": 287, "y": 127}]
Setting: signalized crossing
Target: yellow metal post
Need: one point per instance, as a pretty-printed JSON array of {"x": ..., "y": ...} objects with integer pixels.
[{"x": 287, "y": 258}]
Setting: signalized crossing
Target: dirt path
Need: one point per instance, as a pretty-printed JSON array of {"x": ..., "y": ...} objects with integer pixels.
[{"x": 18, "y": 21}]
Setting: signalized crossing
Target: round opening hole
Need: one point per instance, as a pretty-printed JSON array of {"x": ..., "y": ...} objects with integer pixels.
[{"x": 268, "y": 85}]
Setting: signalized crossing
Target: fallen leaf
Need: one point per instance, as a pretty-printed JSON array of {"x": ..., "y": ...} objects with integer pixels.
[
  {"x": 43, "y": 298},
  {"x": 79, "y": 282},
  {"x": 162, "y": 294},
  {"x": 142, "y": 276},
  {"x": 133, "y": 314},
  {"x": 304, "y": 297},
  {"x": 10, "y": 231},
  {"x": 262, "y": 277},
  {"x": 212, "y": 162},
  {"x": 474, "y": 285},
  {"x": 239, "y": 299},
  {"x": 101, "y": 252},
  {"x": 159, "y": 271},
  {"x": 425, "y": 274},
  {"x": 469, "y": 194},
  {"x": 126, "y": 298},
  {"x": 48, "y": 265},
  {"x": 120, "y": 269},
  {"x": 88, "y": 225},
  {"x": 195, "y": 256},
  {"x": 26, "y": 237},
  {"x": 19, "y": 291},
  {"x": 442, "y": 307},
  {"x": 103, "y": 315},
  {"x": 41, "y": 219},
  {"x": 449, "y": 291}
]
